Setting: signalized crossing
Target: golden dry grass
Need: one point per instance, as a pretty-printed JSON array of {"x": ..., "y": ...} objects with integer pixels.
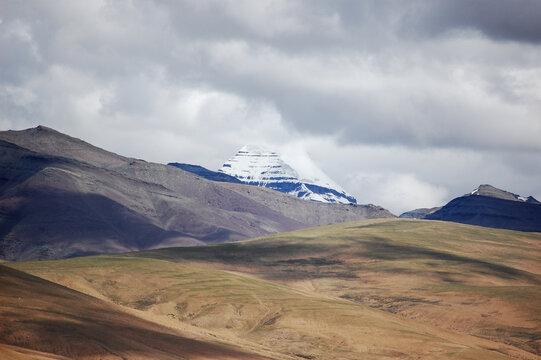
[
  {"x": 43, "y": 320},
  {"x": 480, "y": 281},
  {"x": 374, "y": 290}
]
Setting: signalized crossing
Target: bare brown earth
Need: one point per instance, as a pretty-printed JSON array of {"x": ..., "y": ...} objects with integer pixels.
[
  {"x": 382, "y": 289},
  {"x": 62, "y": 197},
  {"x": 43, "y": 320},
  {"x": 8, "y": 352}
]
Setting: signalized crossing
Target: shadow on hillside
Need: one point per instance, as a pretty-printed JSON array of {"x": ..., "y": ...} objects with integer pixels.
[{"x": 384, "y": 249}]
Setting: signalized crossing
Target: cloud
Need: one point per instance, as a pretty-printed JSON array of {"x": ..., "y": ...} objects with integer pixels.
[
  {"x": 513, "y": 20},
  {"x": 413, "y": 91},
  {"x": 434, "y": 103},
  {"x": 367, "y": 170},
  {"x": 398, "y": 192}
]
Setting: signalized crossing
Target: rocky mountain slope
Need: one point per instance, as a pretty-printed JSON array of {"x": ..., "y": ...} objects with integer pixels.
[
  {"x": 492, "y": 207},
  {"x": 255, "y": 165},
  {"x": 62, "y": 197}
]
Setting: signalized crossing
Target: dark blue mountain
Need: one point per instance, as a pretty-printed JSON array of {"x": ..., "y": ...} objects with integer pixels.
[
  {"x": 491, "y": 207},
  {"x": 304, "y": 190},
  {"x": 206, "y": 173}
]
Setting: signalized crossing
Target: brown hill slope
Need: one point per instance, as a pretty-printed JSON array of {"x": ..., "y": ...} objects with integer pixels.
[
  {"x": 263, "y": 316},
  {"x": 40, "y": 319},
  {"x": 9, "y": 352},
  {"x": 60, "y": 197},
  {"x": 480, "y": 281},
  {"x": 474, "y": 292},
  {"x": 484, "y": 282}
]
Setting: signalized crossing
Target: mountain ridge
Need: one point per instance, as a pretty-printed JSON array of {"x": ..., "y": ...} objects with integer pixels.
[
  {"x": 494, "y": 192},
  {"x": 62, "y": 197}
]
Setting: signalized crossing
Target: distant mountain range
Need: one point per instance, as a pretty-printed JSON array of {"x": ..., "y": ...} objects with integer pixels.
[
  {"x": 62, "y": 197},
  {"x": 419, "y": 213},
  {"x": 487, "y": 206},
  {"x": 256, "y": 165}
]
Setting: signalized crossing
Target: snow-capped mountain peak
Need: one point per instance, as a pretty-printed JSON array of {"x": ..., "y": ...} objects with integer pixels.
[{"x": 258, "y": 165}]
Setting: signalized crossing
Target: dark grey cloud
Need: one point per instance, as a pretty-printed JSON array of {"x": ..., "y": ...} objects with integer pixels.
[
  {"x": 514, "y": 20},
  {"x": 431, "y": 104}
]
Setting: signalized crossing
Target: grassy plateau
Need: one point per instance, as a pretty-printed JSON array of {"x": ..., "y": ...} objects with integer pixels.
[{"x": 378, "y": 289}]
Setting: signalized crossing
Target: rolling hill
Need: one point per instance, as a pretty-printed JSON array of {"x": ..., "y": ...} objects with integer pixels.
[
  {"x": 44, "y": 320},
  {"x": 62, "y": 197},
  {"x": 378, "y": 289}
]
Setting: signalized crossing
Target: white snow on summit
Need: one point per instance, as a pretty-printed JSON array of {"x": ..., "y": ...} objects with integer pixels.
[
  {"x": 296, "y": 175},
  {"x": 256, "y": 164}
]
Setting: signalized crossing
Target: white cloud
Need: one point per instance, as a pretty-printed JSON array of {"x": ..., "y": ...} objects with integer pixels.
[
  {"x": 398, "y": 192},
  {"x": 294, "y": 154}
]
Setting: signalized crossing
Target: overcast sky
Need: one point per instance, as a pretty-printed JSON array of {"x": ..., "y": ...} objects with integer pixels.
[{"x": 405, "y": 104}]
